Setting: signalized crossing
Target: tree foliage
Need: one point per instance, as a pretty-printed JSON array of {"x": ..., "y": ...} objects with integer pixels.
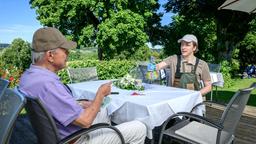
[
  {"x": 247, "y": 49},
  {"x": 17, "y": 54},
  {"x": 204, "y": 29},
  {"x": 80, "y": 19},
  {"x": 121, "y": 36},
  {"x": 203, "y": 18}
]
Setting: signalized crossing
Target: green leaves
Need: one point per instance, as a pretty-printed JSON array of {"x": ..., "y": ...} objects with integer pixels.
[
  {"x": 120, "y": 35},
  {"x": 83, "y": 19},
  {"x": 17, "y": 54},
  {"x": 112, "y": 69}
]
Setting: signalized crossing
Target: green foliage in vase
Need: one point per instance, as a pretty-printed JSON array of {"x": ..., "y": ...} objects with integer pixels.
[{"x": 129, "y": 83}]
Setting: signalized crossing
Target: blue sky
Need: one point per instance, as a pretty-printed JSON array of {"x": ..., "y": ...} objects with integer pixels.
[{"x": 18, "y": 20}]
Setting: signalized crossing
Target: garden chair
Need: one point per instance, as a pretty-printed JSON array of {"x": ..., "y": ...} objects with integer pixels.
[
  {"x": 214, "y": 68},
  {"x": 205, "y": 131},
  {"x": 82, "y": 74},
  {"x": 46, "y": 129},
  {"x": 143, "y": 70},
  {"x": 11, "y": 104},
  {"x": 3, "y": 85}
]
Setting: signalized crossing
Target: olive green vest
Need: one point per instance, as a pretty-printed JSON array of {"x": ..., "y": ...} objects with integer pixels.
[{"x": 187, "y": 80}]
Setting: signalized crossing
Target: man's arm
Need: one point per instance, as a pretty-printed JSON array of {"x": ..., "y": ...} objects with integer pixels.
[
  {"x": 87, "y": 116},
  {"x": 84, "y": 103},
  {"x": 207, "y": 87},
  {"x": 161, "y": 65}
]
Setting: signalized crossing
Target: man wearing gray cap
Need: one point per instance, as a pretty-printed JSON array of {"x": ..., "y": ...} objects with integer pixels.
[
  {"x": 187, "y": 71},
  {"x": 49, "y": 55}
]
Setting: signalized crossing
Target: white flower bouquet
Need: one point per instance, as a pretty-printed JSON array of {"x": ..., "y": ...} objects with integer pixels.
[{"x": 129, "y": 83}]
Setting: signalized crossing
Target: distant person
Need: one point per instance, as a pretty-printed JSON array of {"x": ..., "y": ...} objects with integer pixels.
[
  {"x": 250, "y": 70},
  {"x": 186, "y": 70},
  {"x": 50, "y": 51}
]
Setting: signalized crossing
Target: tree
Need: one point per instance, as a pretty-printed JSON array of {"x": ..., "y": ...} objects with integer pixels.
[
  {"x": 247, "y": 49},
  {"x": 231, "y": 26},
  {"x": 80, "y": 19},
  {"x": 121, "y": 35},
  {"x": 17, "y": 54},
  {"x": 204, "y": 29}
]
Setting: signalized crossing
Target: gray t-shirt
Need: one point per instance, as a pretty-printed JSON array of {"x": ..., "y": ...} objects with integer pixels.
[{"x": 46, "y": 85}]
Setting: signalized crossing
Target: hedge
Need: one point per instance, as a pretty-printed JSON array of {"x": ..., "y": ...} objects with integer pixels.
[{"x": 112, "y": 69}]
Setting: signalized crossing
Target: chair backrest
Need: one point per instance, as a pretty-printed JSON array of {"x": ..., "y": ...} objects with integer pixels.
[
  {"x": 143, "y": 70},
  {"x": 42, "y": 122},
  {"x": 11, "y": 103},
  {"x": 214, "y": 67},
  {"x": 233, "y": 113},
  {"x": 82, "y": 74},
  {"x": 3, "y": 85}
]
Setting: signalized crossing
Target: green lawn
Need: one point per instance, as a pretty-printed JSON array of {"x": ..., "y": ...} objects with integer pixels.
[{"x": 225, "y": 94}]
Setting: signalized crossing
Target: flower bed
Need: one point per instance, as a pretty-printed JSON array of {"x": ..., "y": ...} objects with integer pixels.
[{"x": 10, "y": 73}]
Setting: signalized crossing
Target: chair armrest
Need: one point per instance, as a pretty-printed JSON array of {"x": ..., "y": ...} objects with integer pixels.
[
  {"x": 90, "y": 129},
  {"x": 206, "y": 102},
  {"x": 200, "y": 118}
]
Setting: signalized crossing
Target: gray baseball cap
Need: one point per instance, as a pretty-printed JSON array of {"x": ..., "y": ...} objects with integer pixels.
[
  {"x": 49, "y": 38},
  {"x": 188, "y": 38}
]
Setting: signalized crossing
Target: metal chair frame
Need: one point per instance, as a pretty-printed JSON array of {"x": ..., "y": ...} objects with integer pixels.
[
  {"x": 214, "y": 68},
  {"x": 46, "y": 129},
  {"x": 3, "y": 85},
  {"x": 11, "y": 104},
  {"x": 234, "y": 108}
]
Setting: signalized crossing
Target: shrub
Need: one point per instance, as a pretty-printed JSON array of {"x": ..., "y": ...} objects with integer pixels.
[
  {"x": 80, "y": 54},
  {"x": 143, "y": 53},
  {"x": 247, "y": 49},
  {"x": 18, "y": 54},
  {"x": 225, "y": 70},
  {"x": 112, "y": 69}
]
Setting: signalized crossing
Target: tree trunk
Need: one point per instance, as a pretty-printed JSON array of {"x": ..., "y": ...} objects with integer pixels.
[{"x": 100, "y": 57}]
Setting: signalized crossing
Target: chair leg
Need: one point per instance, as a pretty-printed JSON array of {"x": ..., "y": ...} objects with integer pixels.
[
  {"x": 216, "y": 88},
  {"x": 211, "y": 95},
  {"x": 160, "y": 138}
]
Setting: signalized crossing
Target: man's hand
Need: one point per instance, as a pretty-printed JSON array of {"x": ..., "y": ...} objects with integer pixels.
[
  {"x": 86, "y": 118},
  {"x": 105, "y": 89}
]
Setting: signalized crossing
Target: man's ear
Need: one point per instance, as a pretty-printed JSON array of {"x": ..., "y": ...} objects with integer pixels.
[
  {"x": 49, "y": 56},
  {"x": 194, "y": 49}
]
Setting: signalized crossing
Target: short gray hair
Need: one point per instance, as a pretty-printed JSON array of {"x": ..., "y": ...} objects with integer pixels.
[{"x": 36, "y": 56}]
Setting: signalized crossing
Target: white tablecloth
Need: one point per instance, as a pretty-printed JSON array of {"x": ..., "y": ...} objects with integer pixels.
[
  {"x": 217, "y": 79},
  {"x": 152, "y": 108}
]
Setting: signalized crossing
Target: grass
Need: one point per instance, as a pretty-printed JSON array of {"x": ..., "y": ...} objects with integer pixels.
[{"x": 225, "y": 94}]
